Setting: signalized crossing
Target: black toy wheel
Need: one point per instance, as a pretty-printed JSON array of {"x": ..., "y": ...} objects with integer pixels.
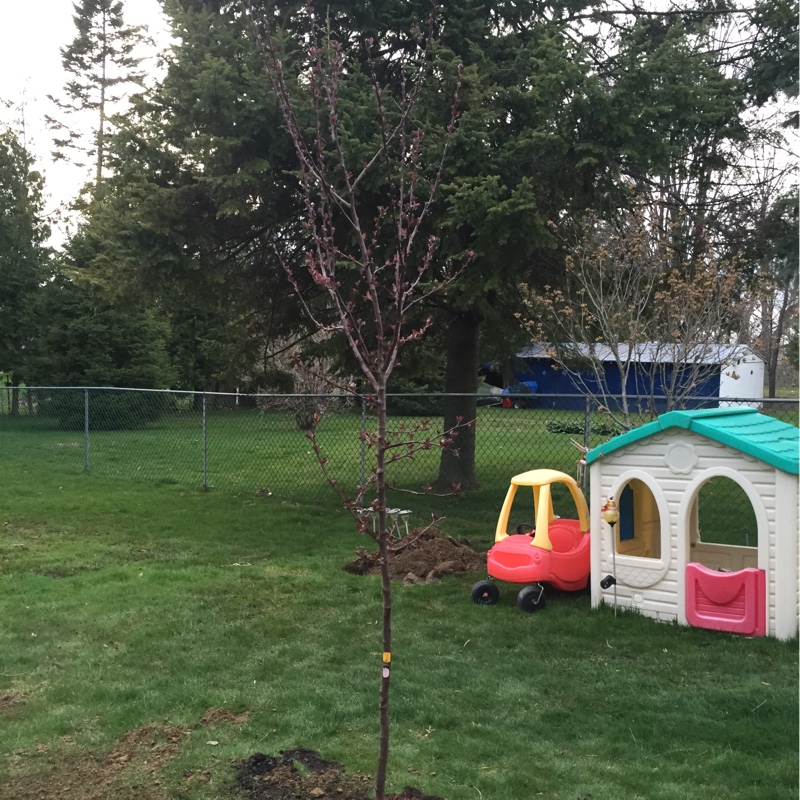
[
  {"x": 485, "y": 593},
  {"x": 531, "y": 598}
]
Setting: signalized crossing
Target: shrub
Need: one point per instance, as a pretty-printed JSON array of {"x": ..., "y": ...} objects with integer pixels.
[
  {"x": 109, "y": 409},
  {"x": 575, "y": 427}
]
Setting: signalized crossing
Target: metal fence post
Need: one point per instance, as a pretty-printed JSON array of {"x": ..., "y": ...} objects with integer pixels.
[
  {"x": 587, "y": 432},
  {"x": 205, "y": 447},
  {"x": 85, "y": 430}
]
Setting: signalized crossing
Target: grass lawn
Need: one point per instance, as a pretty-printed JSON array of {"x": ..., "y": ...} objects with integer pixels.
[
  {"x": 132, "y": 603},
  {"x": 247, "y": 451},
  {"x": 250, "y": 449}
]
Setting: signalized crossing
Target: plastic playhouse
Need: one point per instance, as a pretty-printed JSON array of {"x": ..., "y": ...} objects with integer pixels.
[
  {"x": 660, "y": 563},
  {"x": 553, "y": 551}
]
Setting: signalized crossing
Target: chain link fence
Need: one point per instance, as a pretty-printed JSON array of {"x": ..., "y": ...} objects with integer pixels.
[{"x": 259, "y": 443}]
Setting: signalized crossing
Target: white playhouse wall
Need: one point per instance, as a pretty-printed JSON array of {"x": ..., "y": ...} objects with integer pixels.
[{"x": 674, "y": 464}]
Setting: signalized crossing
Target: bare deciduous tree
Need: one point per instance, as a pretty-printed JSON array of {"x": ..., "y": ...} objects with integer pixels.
[
  {"x": 624, "y": 302},
  {"x": 367, "y": 195}
]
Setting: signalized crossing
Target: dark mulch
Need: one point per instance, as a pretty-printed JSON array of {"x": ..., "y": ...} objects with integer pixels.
[{"x": 304, "y": 775}]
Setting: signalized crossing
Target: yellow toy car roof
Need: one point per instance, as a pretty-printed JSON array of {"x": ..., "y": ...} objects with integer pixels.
[{"x": 540, "y": 480}]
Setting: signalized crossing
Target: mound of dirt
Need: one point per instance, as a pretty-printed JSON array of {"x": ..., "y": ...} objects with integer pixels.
[
  {"x": 304, "y": 775},
  {"x": 422, "y": 557}
]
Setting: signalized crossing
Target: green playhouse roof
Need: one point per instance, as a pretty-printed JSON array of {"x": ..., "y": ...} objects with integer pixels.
[{"x": 744, "y": 429}]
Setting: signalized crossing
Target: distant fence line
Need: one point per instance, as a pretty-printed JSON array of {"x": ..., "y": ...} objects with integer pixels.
[{"x": 257, "y": 442}]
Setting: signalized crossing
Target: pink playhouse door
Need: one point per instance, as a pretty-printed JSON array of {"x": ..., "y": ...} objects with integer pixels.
[{"x": 727, "y": 601}]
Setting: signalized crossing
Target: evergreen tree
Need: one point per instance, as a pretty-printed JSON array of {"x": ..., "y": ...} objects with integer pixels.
[
  {"x": 558, "y": 114},
  {"x": 85, "y": 340},
  {"x": 23, "y": 256},
  {"x": 567, "y": 116},
  {"x": 101, "y": 65},
  {"x": 772, "y": 61},
  {"x": 197, "y": 200}
]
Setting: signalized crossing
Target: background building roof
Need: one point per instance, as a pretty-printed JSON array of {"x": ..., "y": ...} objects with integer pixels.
[{"x": 653, "y": 352}]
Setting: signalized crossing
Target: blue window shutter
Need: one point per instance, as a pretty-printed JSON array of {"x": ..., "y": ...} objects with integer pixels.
[{"x": 626, "y": 514}]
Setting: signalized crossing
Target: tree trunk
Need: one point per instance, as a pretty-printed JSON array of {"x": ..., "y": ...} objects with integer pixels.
[
  {"x": 14, "y": 409},
  {"x": 457, "y": 463},
  {"x": 386, "y": 593},
  {"x": 775, "y": 335},
  {"x": 102, "y": 109}
]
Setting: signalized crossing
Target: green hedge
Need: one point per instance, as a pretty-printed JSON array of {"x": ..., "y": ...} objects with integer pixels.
[
  {"x": 109, "y": 411},
  {"x": 576, "y": 427}
]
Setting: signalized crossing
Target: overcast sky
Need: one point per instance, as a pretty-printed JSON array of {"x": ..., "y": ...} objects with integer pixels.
[{"x": 31, "y": 35}]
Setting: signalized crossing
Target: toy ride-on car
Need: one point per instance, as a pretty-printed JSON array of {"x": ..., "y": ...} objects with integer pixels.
[
  {"x": 555, "y": 551},
  {"x": 520, "y": 395}
]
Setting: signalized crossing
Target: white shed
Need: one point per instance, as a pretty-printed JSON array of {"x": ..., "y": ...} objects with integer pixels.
[
  {"x": 742, "y": 373},
  {"x": 655, "y": 560}
]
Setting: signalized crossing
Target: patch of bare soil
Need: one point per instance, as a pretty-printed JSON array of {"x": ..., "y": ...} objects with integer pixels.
[
  {"x": 304, "y": 775},
  {"x": 424, "y": 556},
  {"x": 216, "y": 716},
  {"x": 11, "y": 703},
  {"x": 131, "y": 770},
  {"x": 127, "y": 772}
]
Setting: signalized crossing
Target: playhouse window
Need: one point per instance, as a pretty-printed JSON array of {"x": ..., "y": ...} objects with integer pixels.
[
  {"x": 724, "y": 514},
  {"x": 639, "y": 528}
]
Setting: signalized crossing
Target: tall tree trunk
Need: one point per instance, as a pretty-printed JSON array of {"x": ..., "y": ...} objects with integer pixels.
[
  {"x": 457, "y": 464},
  {"x": 769, "y": 350},
  {"x": 101, "y": 124},
  {"x": 775, "y": 336},
  {"x": 14, "y": 409}
]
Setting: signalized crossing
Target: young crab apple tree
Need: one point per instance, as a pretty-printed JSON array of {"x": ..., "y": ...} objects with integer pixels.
[{"x": 367, "y": 178}]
